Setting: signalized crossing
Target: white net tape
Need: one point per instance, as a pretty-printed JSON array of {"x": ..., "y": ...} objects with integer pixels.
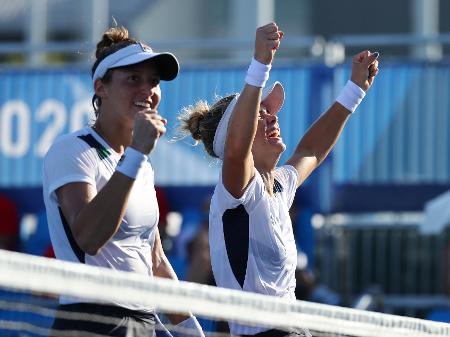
[{"x": 37, "y": 274}]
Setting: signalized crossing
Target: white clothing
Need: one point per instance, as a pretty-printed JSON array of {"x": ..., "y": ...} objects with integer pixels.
[
  {"x": 83, "y": 156},
  {"x": 251, "y": 239}
]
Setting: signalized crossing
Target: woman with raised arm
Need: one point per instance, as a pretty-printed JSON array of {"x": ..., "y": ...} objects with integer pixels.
[
  {"x": 252, "y": 244},
  {"x": 99, "y": 189}
]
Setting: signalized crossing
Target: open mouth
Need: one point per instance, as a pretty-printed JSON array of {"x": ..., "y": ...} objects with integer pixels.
[
  {"x": 142, "y": 104},
  {"x": 274, "y": 134}
]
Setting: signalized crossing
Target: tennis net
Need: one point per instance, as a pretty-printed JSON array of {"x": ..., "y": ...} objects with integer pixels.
[{"x": 30, "y": 286}]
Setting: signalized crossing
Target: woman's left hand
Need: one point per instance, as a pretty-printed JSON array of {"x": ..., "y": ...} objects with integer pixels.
[
  {"x": 148, "y": 127},
  {"x": 364, "y": 69}
]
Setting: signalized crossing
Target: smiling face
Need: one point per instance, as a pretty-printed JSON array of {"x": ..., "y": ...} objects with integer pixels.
[
  {"x": 268, "y": 144},
  {"x": 130, "y": 89}
]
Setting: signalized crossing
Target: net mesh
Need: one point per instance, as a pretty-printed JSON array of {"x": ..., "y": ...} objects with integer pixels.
[{"x": 30, "y": 286}]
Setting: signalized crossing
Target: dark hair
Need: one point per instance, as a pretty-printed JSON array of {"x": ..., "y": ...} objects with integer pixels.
[
  {"x": 113, "y": 39},
  {"x": 200, "y": 121}
]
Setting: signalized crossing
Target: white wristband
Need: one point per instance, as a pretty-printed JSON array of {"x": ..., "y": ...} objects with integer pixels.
[
  {"x": 130, "y": 163},
  {"x": 351, "y": 95},
  {"x": 188, "y": 328},
  {"x": 257, "y": 73}
]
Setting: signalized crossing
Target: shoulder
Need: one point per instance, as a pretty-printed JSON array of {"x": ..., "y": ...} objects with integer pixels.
[
  {"x": 70, "y": 138},
  {"x": 68, "y": 145},
  {"x": 254, "y": 192},
  {"x": 286, "y": 174}
]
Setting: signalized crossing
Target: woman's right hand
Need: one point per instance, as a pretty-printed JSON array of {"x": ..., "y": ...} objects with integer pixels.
[
  {"x": 364, "y": 69},
  {"x": 148, "y": 127},
  {"x": 267, "y": 41}
]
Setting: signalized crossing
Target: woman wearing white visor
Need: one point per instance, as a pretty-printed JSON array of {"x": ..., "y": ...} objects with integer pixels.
[
  {"x": 250, "y": 232},
  {"x": 99, "y": 186}
]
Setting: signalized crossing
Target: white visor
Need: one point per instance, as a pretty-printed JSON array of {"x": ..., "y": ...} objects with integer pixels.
[
  {"x": 166, "y": 63},
  {"x": 272, "y": 99}
]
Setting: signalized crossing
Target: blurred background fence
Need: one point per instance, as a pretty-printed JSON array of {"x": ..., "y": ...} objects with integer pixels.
[{"x": 400, "y": 269}]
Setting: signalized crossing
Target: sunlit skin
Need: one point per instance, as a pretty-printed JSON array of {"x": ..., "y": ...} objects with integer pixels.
[
  {"x": 253, "y": 138},
  {"x": 250, "y": 149},
  {"x": 268, "y": 144},
  {"x": 133, "y": 94},
  {"x": 132, "y": 89}
]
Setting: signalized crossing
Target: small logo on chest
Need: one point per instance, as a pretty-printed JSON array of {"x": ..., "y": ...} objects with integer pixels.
[{"x": 274, "y": 219}]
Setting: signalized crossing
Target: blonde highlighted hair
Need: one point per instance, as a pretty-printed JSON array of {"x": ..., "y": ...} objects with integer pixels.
[{"x": 200, "y": 121}]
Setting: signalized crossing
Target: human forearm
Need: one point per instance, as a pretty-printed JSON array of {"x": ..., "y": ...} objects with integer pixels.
[
  {"x": 237, "y": 169},
  {"x": 242, "y": 126},
  {"x": 329, "y": 126},
  {"x": 318, "y": 141},
  {"x": 323, "y": 134},
  {"x": 238, "y": 164},
  {"x": 164, "y": 269},
  {"x": 99, "y": 219}
]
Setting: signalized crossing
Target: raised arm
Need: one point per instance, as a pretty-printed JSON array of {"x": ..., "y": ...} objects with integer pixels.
[
  {"x": 238, "y": 166},
  {"x": 325, "y": 131},
  {"x": 95, "y": 216}
]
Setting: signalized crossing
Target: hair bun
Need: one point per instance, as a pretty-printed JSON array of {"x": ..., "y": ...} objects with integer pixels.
[
  {"x": 111, "y": 37},
  {"x": 195, "y": 122},
  {"x": 191, "y": 119}
]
